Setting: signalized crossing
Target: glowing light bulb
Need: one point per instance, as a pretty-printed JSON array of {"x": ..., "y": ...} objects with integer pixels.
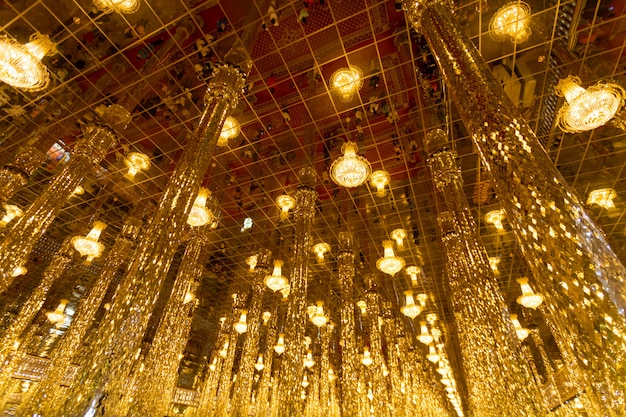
[
  {"x": 319, "y": 319},
  {"x": 10, "y": 212},
  {"x": 380, "y": 179},
  {"x": 230, "y": 130},
  {"x": 511, "y": 21},
  {"x": 495, "y": 217},
  {"x": 305, "y": 381},
  {"x": 136, "y": 162},
  {"x": 58, "y": 314},
  {"x": 308, "y": 361},
  {"x": 280, "y": 345},
  {"x": 79, "y": 190},
  {"x": 410, "y": 309},
  {"x": 389, "y": 263},
  {"x": 286, "y": 203},
  {"x": 602, "y": 197},
  {"x": 367, "y": 357},
  {"x": 425, "y": 337},
  {"x": 347, "y": 82},
  {"x": 241, "y": 326},
  {"x": 350, "y": 170},
  {"x": 20, "y": 270},
  {"x": 521, "y": 332},
  {"x": 587, "y": 109},
  {"x": 529, "y": 298},
  {"x": 413, "y": 272},
  {"x": 251, "y": 261},
  {"x": 119, "y": 6},
  {"x": 276, "y": 281},
  {"x": 432, "y": 355},
  {"x": 320, "y": 250},
  {"x": 88, "y": 245},
  {"x": 20, "y": 65},
  {"x": 259, "y": 365}
]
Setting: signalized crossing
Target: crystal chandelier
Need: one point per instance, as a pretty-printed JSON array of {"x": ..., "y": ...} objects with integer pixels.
[
  {"x": 511, "y": 21},
  {"x": 279, "y": 348},
  {"x": 88, "y": 245},
  {"x": 251, "y": 261},
  {"x": 347, "y": 82},
  {"x": 410, "y": 309},
  {"x": 286, "y": 203},
  {"x": 367, "y": 357},
  {"x": 413, "y": 271},
  {"x": 587, "y": 109},
  {"x": 119, "y": 6},
  {"x": 230, "y": 130},
  {"x": 521, "y": 332},
  {"x": 58, "y": 314},
  {"x": 79, "y": 190},
  {"x": 136, "y": 162},
  {"x": 389, "y": 263},
  {"x": 276, "y": 281},
  {"x": 380, "y": 179},
  {"x": 350, "y": 170},
  {"x": 432, "y": 355},
  {"x": 259, "y": 365},
  {"x": 308, "y": 360},
  {"x": 602, "y": 197},
  {"x": 242, "y": 326},
  {"x": 495, "y": 217},
  {"x": 201, "y": 214},
  {"x": 10, "y": 212},
  {"x": 20, "y": 270},
  {"x": 399, "y": 235},
  {"x": 529, "y": 298},
  {"x": 320, "y": 249},
  {"x": 494, "y": 261},
  {"x": 319, "y": 318},
  {"x": 20, "y": 65},
  {"x": 425, "y": 337}
]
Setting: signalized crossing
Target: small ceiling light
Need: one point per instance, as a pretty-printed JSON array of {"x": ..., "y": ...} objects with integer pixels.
[
  {"x": 305, "y": 381},
  {"x": 495, "y": 217},
  {"x": 79, "y": 190},
  {"x": 413, "y": 272},
  {"x": 389, "y": 263},
  {"x": 276, "y": 281},
  {"x": 347, "y": 82},
  {"x": 88, "y": 245},
  {"x": 58, "y": 314},
  {"x": 286, "y": 203},
  {"x": 432, "y": 355},
  {"x": 20, "y": 65},
  {"x": 241, "y": 326},
  {"x": 320, "y": 250},
  {"x": 20, "y": 270},
  {"x": 529, "y": 298},
  {"x": 362, "y": 305},
  {"x": 399, "y": 235},
  {"x": 259, "y": 365},
  {"x": 587, "y": 109},
  {"x": 230, "y": 130},
  {"x": 380, "y": 179},
  {"x": 266, "y": 316},
  {"x": 10, "y": 213},
  {"x": 200, "y": 214},
  {"x": 119, "y": 6},
  {"x": 425, "y": 337},
  {"x": 511, "y": 21},
  {"x": 367, "y": 357},
  {"x": 136, "y": 162},
  {"x": 251, "y": 261},
  {"x": 319, "y": 319},
  {"x": 603, "y": 197},
  {"x": 410, "y": 309},
  {"x": 308, "y": 361},
  {"x": 350, "y": 170},
  {"x": 280, "y": 345},
  {"x": 494, "y": 261},
  {"x": 521, "y": 332}
]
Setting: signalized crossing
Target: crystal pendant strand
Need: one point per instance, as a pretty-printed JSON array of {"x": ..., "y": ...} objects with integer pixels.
[
  {"x": 122, "y": 329},
  {"x": 159, "y": 371},
  {"x": 15, "y": 174},
  {"x": 349, "y": 355},
  {"x": 243, "y": 385},
  {"x": 488, "y": 340},
  {"x": 291, "y": 370},
  {"x": 47, "y": 397},
  {"x": 393, "y": 355},
  {"x": 325, "y": 334},
  {"x": 562, "y": 244},
  {"x": 11, "y": 349},
  {"x": 264, "y": 388},
  {"x": 26, "y": 231}
]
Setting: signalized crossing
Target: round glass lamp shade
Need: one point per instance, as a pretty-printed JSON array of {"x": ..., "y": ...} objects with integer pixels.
[
  {"x": 587, "y": 109},
  {"x": 20, "y": 65},
  {"x": 276, "y": 281},
  {"x": 350, "y": 170},
  {"x": 119, "y": 6},
  {"x": 347, "y": 82},
  {"x": 511, "y": 21}
]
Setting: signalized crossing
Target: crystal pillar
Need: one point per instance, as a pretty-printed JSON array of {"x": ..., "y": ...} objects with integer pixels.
[
  {"x": 15, "y": 174},
  {"x": 324, "y": 367},
  {"x": 379, "y": 385},
  {"x": 349, "y": 353},
  {"x": 47, "y": 397},
  {"x": 26, "y": 231},
  {"x": 243, "y": 386},
  {"x": 159, "y": 373},
  {"x": 122, "y": 329},
  {"x": 393, "y": 355},
  {"x": 291, "y": 370},
  {"x": 208, "y": 392},
  {"x": 264, "y": 389},
  {"x": 566, "y": 251},
  {"x": 487, "y": 336},
  {"x": 11, "y": 339}
]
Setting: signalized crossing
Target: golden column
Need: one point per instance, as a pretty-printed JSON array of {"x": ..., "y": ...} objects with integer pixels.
[
  {"x": 393, "y": 354},
  {"x": 498, "y": 379},
  {"x": 566, "y": 251},
  {"x": 291, "y": 369},
  {"x": 121, "y": 332},
  {"x": 48, "y": 394},
  {"x": 349, "y": 354},
  {"x": 16, "y": 174},
  {"x": 243, "y": 386},
  {"x": 26, "y": 231}
]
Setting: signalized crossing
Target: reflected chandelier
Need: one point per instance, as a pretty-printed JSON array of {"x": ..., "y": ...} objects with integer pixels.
[
  {"x": 350, "y": 170},
  {"x": 20, "y": 65}
]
